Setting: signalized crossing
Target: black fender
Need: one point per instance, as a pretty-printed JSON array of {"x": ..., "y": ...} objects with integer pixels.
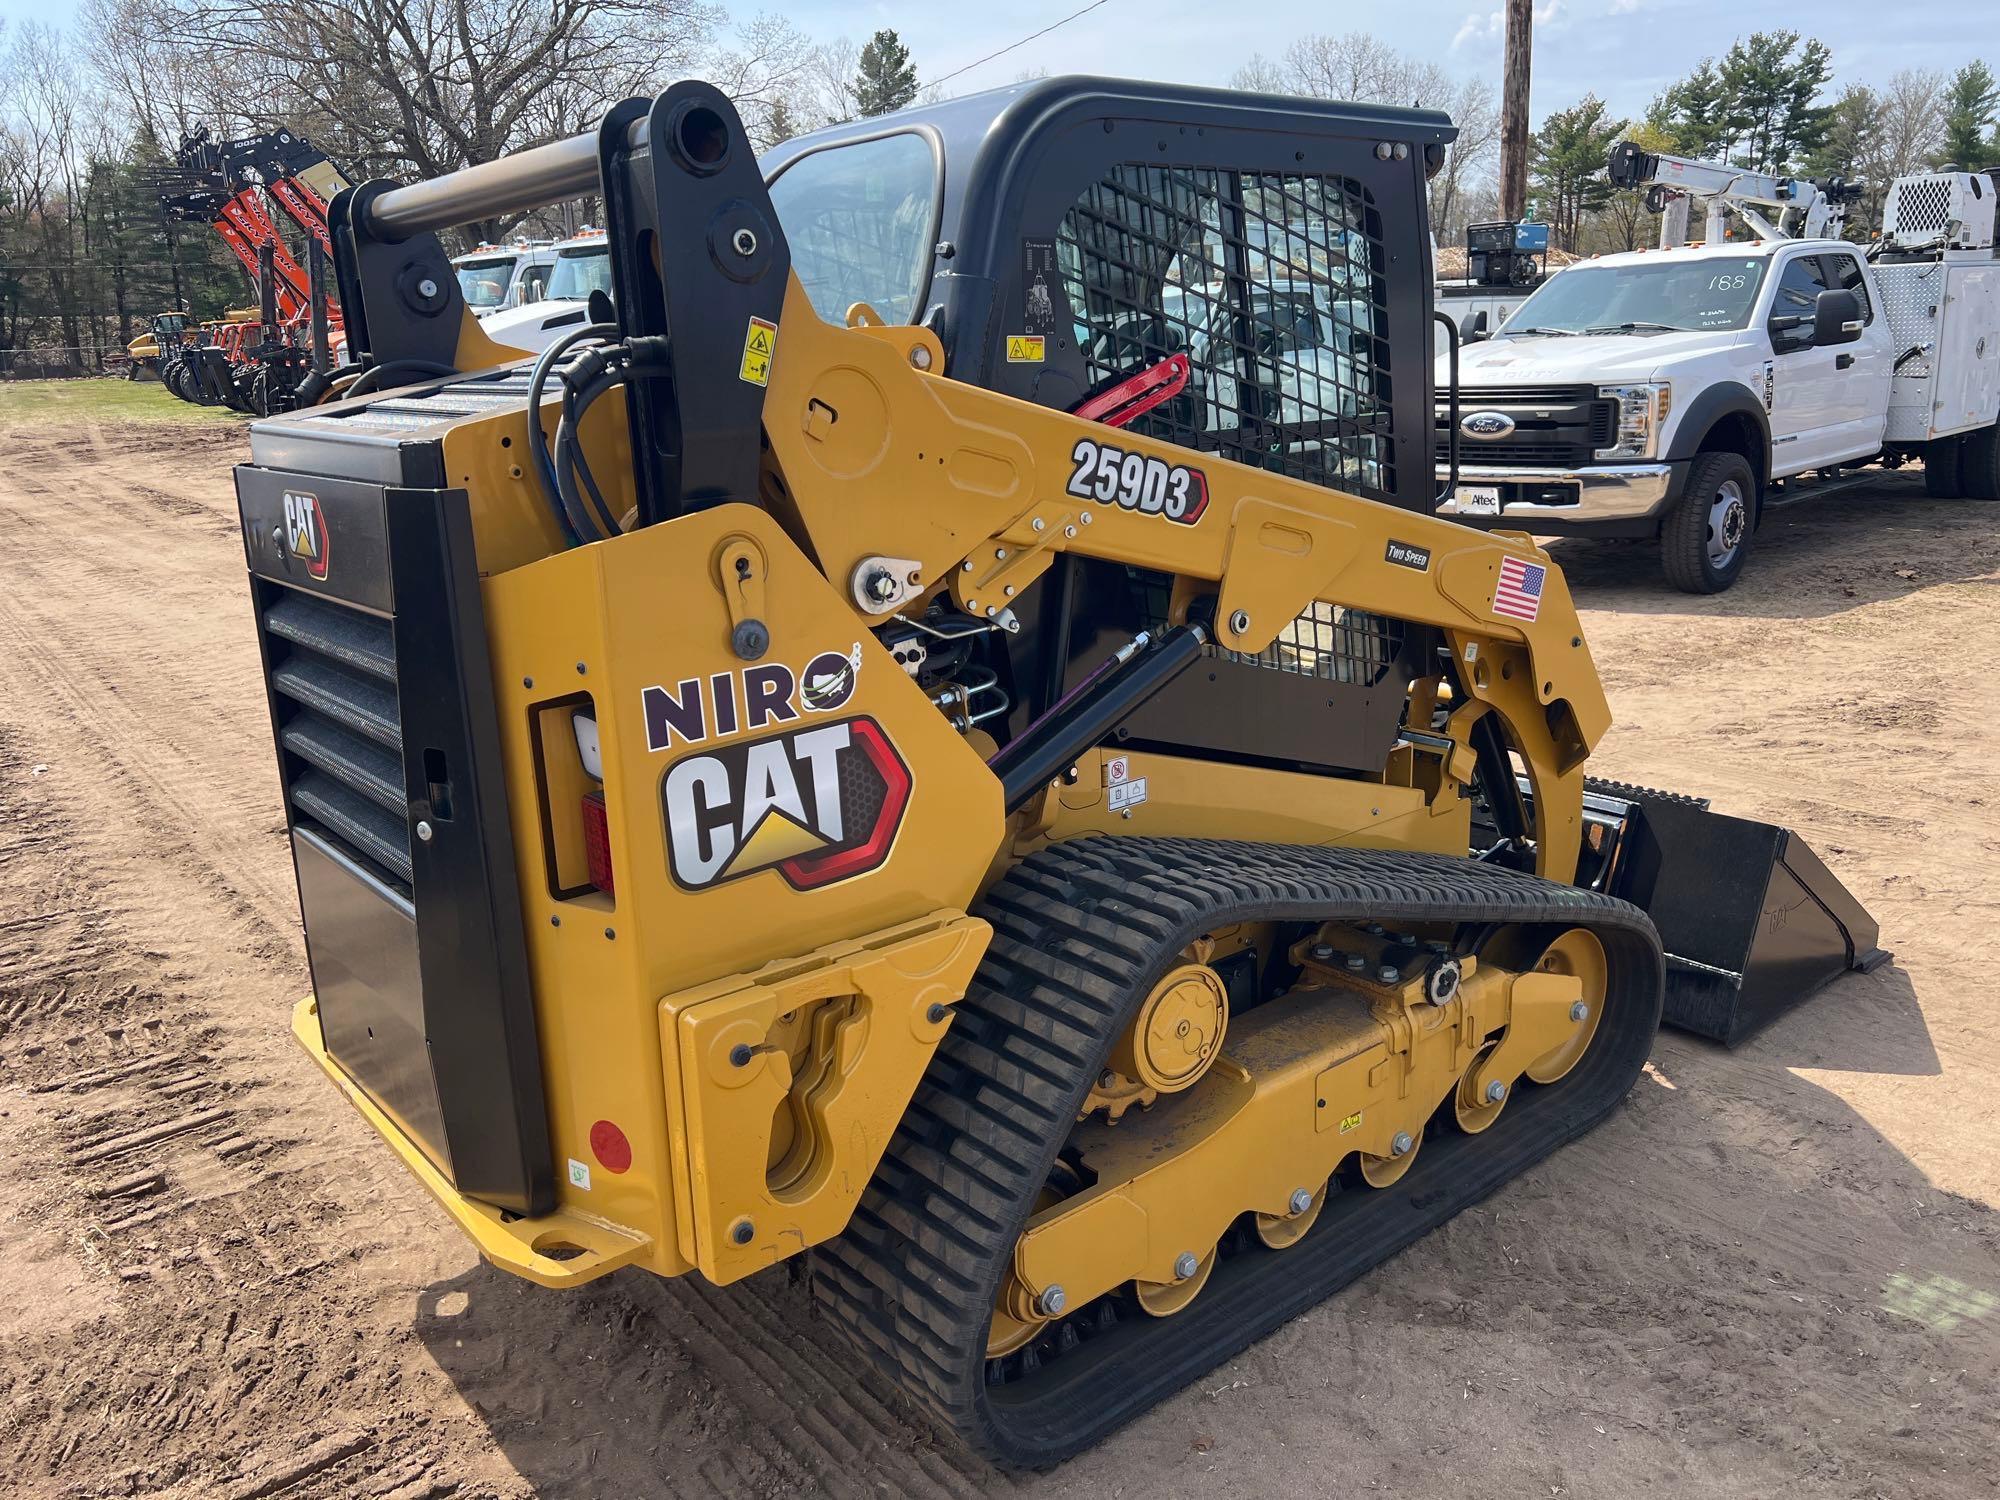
[{"x": 1728, "y": 398}]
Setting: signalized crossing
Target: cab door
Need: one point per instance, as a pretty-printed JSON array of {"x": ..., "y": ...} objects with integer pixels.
[
  {"x": 1805, "y": 382},
  {"x": 1864, "y": 367}
]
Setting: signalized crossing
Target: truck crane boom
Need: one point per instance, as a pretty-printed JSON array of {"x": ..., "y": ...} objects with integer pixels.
[{"x": 1804, "y": 207}]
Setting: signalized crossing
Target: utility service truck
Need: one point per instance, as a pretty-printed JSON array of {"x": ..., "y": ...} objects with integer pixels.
[{"x": 1679, "y": 394}]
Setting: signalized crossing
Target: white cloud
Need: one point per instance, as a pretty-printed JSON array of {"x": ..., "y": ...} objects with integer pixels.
[
  {"x": 1624, "y": 7},
  {"x": 1483, "y": 26}
]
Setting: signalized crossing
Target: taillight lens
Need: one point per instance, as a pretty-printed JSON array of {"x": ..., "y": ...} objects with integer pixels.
[{"x": 597, "y": 841}]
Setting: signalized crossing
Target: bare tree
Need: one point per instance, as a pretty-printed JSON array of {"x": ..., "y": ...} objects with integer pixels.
[{"x": 1367, "y": 70}]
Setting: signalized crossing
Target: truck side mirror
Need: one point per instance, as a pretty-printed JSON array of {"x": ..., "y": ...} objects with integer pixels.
[
  {"x": 1475, "y": 331},
  {"x": 1836, "y": 317}
]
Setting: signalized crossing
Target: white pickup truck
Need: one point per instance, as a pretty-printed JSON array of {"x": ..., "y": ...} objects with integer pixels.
[{"x": 1674, "y": 394}]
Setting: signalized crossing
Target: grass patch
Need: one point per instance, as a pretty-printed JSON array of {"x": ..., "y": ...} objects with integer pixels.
[{"x": 44, "y": 403}]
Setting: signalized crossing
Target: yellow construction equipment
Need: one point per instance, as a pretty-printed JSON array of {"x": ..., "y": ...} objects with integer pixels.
[{"x": 978, "y": 766}]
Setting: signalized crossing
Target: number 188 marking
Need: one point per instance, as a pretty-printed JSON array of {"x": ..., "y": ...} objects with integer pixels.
[{"x": 1151, "y": 486}]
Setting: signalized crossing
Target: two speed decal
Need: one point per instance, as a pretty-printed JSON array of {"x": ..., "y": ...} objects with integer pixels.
[{"x": 1151, "y": 486}]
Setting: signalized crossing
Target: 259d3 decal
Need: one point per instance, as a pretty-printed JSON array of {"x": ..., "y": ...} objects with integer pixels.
[
  {"x": 1137, "y": 481},
  {"x": 817, "y": 805}
]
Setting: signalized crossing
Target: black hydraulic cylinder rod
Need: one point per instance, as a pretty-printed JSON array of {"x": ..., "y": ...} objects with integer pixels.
[
  {"x": 1081, "y": 720},
  {"x": 511, "y": 185},
  {"x": 267, "y": 288},
  {"x": 322, "y": 359}
]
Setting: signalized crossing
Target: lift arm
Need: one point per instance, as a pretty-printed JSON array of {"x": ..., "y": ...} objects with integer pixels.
[{"x": 1805, "y": 207}]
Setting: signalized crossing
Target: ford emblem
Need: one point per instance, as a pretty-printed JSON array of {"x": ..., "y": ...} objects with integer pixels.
[{"x": 1488, "y": 425}]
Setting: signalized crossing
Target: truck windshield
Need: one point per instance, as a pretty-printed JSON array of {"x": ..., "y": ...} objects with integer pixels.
[
  {"x": 483, "y": 283},
  {"x": 858, "y": 219},
  {"x": 1663, "y": 296},
  {"x": 580, "y": 272}
]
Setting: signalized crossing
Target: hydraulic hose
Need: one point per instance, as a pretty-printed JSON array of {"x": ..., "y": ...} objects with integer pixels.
[{"x": 574, "y": 523}]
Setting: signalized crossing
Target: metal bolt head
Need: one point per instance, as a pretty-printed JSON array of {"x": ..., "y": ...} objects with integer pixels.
[
  {"x": 423, "y": 832},
  {"x": 1402, "y": 1144},
  {"x": 1185, "y": 1265},
  {"x": 739, "y": 1055},
  {"x": 1579, "y": 1012},
  {"x": 1240, "y": 621},
  {"x": 1300, "y": 1201},
  {"x": 1069, "y": 531},
  {"x": 1322, "y": 951},
  {"x": 427, "y": 288},
  {"x": 1389, "y": 974},
  {"x": 743, "y": 1231},
  {"x": 1008, "y": 591},
  {"x": 920, "y": 357},
  {"x": 1052, "y": 1301},
  {"x": 1495, "y": 1091},
  {"x": 881, "y": 585},
  {"x": 1040, "y": 524},
  {"x": 745, "y": 242},
  {"x": 1356, "y": 962}
]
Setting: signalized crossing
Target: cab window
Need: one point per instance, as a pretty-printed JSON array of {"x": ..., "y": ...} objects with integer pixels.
[{"x": 1844, "y": 271}]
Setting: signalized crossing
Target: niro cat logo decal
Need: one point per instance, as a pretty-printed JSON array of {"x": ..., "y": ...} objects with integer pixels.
[
  {"x": 817, "y": 805},
  {"x": 305, "y": 531},
  {"x": 697, "y": 709}
]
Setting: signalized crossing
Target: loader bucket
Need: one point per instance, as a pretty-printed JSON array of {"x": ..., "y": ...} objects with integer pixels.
[{"x": 1751, "y": 920}]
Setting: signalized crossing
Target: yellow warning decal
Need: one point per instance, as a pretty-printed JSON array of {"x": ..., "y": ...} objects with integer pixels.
[
  {"x": 1350, "y": 1122},
  {"x": 760, "y": 346},
  {"x": 1025, "y": 348}
]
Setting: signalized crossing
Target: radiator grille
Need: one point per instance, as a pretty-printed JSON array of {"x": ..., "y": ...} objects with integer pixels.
[
  {"x": 1272, "y": 285},
  {"x": 1553, "y": 426},
  {"x": 333, "y": 678}
]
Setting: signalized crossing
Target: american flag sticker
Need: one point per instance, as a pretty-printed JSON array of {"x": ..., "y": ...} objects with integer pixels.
[{"x": 1519, "y": 592}]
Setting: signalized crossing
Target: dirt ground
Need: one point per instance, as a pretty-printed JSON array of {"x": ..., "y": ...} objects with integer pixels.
[{"x": 1775, "y": 1272}]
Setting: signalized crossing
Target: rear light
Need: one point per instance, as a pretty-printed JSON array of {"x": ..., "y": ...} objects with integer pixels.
[{"x": 597, "y": 841}]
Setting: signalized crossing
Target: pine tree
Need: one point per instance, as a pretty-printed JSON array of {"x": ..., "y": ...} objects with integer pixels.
[
  {"x": 1567, "y": 166},
  {"x": 886, "y": 79},
  {"x": 1692, "y": 112},
  {"x": 1970, "y": 105},
  {"x": 1770, "y": 98}
]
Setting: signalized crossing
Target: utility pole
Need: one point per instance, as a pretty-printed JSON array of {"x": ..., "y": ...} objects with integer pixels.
[{"x": 1514, "y": 109}]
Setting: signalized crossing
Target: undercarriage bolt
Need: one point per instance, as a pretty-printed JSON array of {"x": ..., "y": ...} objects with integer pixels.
[
  {"x": 1322, "y": 951},
  {"x": 1389, "y": 974},
  {"x": 1052, "y": 1301},
  {"x": 1301, "y": 1200},
  {"x": 1185, "y": 1265},
  {"x": 1356, "y": 962},
  {"x": 1495, "y": 1091},
  {"x": 1401, "y": 1145},
  {"x": 1579, "y": 1012}
]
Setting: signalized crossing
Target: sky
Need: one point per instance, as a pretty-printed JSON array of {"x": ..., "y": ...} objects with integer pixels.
[{"x": 1625, "y": 50}]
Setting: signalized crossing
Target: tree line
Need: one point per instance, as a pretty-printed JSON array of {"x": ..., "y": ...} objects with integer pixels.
[
  {"x": 90, "y": 117},
  {"x": 1763, "y": 106}
]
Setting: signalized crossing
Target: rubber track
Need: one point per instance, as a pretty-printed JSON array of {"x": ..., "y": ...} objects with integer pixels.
[
  {"x": 1632, "y": 792},
  {"x": 1081, "y": 931}
]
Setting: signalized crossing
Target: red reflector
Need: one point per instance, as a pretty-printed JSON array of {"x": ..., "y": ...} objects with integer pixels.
[
  {"x": 609, "y": 1146},
  {"x": 597, "y": 846}
]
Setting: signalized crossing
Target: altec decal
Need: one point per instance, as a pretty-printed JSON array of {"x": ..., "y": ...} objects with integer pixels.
[
  {"x": 697, "y": 709},
  {"x": 1137, "y": 481},
  {"x": 817, "y": 805},
  {"x": 305, "y": 531}
]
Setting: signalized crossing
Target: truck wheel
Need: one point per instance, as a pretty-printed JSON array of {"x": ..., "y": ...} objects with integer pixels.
[
  {"x": 1979, "y": 464},
  {"x": 1707, "y": 534},
  {"x": 1944, "y": 466}
]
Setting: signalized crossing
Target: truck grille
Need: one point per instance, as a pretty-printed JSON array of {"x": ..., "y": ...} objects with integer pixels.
[
  {"x": 1554, "y": 426},
  {"x": 333, "y": 681}
]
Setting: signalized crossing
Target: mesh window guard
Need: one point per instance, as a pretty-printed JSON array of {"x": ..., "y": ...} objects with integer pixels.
[{"x": 1273, "y": 286}]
